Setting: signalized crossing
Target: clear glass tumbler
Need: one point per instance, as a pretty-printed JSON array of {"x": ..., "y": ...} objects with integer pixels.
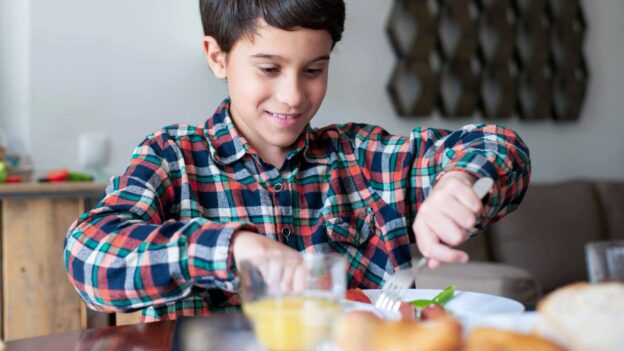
[
  {"x": 292, "y": 300},
  {"x": 605, "y": 261}
]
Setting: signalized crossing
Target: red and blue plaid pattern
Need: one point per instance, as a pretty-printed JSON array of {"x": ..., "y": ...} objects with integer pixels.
[{"x": 159, "y": 240}]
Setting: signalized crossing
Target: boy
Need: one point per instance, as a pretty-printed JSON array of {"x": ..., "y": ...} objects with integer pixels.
[{"x": 257, "y": 179}]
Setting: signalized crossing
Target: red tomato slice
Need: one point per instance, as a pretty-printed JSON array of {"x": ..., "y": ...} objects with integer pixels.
[{"x": 357, "y": 295}]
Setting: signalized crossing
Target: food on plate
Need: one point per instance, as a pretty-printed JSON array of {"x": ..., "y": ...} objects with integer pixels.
[
  {"x": 430, "y": 309},
  {"x": 442, "y": 334},
  {"x": 584, "y": 316},
  {"x": 363, "y": 331},
  {"x": 292, "y": 322},
  {"x": 440, "y": 299},
  {"x": 416, "y": 309},
  {"x": 407, "y": 311},
  {"x": 354, "y": 330},
  {"x": 492, "y": 339},
  {"x": 437, "y": 329},
  {"x": 357, "y": 295},
  {"x": 432, "y": 312}
]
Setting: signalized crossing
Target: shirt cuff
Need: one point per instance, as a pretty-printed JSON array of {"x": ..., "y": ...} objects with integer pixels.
[{"x": 209, "y": 255}]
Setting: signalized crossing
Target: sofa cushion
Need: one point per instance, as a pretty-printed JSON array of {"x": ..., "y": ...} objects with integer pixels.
[
  {"x": 611, "y": 196},
  {"x": 485, "y": 277},
  {"x": 476, "y": 247},
  {"x": 547, "y": 233}
]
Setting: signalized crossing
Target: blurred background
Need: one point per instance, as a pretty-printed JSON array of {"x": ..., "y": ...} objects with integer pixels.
[{"x": 124, "y": 69}]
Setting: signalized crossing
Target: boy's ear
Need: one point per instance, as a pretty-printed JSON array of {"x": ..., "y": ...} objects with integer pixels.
[{"x": 216, "y": 57}]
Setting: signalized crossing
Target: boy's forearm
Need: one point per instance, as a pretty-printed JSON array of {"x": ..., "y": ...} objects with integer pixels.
[
  {"x": 128, "y": 254},
  {"x": 480, "y": 151},
  {"x": 120, "y": 265},
  {"x": 499, "y": 153}
]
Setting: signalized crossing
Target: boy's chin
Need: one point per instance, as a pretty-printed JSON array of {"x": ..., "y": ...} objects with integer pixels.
[{"x": 283, "y": 141}]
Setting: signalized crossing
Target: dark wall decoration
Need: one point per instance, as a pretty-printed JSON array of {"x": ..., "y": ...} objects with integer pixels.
[{"x": 497, "y": 58}]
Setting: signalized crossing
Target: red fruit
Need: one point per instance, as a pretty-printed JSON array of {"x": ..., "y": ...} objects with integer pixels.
[
  {"x": 13, "y": 179},
  {"x": 58, "y": 175},
  {"x": 357, "y": 295}
]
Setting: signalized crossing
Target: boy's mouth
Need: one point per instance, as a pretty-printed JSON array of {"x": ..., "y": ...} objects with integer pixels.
[
  {"x": 284, "y": 116},
  {"x": 285, "y": 120}
]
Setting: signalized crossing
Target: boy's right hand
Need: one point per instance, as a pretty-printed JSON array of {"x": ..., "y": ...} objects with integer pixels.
[{"x": 246, "y": 245}]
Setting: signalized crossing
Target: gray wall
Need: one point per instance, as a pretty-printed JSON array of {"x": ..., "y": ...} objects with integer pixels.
[
  {"x": 127, "y": 68},
  {"x": 15, "y": 74}
]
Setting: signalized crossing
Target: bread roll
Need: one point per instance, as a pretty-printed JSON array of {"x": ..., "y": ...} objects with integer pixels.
[
  {"x": 365, "y": 331},
  {"x": 354, "y": 330},
  {"x": 491, "y": 339},
  {"x": 441, "y": 334},
  {"x": 584, "y": 316}
]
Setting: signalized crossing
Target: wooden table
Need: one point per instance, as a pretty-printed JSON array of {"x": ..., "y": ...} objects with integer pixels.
[
  {"x": 149, "y": 337},
  {"x": 223, "y": 332}
]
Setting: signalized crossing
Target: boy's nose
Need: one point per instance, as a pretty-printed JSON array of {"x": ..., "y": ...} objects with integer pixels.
[{"x": 291, "y": 92}]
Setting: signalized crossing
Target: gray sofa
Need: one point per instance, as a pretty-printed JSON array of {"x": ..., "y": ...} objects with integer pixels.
[{"x": 540, "y": 246}]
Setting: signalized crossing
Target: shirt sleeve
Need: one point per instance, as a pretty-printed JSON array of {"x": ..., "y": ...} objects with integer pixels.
[
  {"x": 404, "y": 169},
  {"x": 131, "y": 252},
  {"x": 481, "y": 150}
]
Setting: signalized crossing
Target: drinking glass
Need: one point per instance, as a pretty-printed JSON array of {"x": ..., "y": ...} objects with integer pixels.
[
  {"x": 605, "y": 261},
  {"x": 292, "y": 299}
]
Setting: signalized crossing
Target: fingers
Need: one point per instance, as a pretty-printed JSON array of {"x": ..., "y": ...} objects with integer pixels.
[
  {"x": 247, "y": 245},
  {"x": 287, "y": 279},
  {"x": 467, "y": 197},
  {"x": 431, "y": 246},
  {"x": 444, "y": 253},
  {"x": 459, "y": 185},
  {"x": 300, "y": 279},
  {"x": 293, "y": 279},
  {"x": 433, "y": 263},
  {"x": 450, "y": 222},
  {"x": 446, "y": 217}
]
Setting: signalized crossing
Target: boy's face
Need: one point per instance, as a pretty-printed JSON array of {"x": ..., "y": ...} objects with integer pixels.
[{"x": 276, "y": 82}]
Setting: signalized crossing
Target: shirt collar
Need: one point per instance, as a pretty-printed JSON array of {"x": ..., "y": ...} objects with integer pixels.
[
  {"x": 223, "y": 138},
  {"x": 227, "y": 145}
]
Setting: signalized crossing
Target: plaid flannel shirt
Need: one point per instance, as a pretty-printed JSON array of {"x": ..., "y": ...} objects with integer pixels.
[{"x": 159, "y": 240}]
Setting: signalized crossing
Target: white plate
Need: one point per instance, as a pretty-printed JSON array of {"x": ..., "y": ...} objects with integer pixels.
[{"x": 464, "y": 304}]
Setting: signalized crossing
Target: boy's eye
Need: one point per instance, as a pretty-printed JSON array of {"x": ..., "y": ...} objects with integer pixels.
[
  {"x": 269, "y": 70},
  {"x": 313, "y": 71}
]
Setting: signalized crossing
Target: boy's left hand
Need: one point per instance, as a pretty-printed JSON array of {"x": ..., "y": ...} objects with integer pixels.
[{"x": 446, "y": 217}]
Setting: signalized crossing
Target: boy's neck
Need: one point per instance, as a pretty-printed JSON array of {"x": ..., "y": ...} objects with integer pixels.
[{"x": 274, "y": 157}]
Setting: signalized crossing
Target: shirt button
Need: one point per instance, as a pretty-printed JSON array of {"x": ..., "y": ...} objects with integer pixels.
[
  {"x": 278, "y": 187},
  {"x": 285, "y": 232}
]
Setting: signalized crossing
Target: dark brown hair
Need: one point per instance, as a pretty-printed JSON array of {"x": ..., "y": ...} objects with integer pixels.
[{"x": 228, "y": 20}]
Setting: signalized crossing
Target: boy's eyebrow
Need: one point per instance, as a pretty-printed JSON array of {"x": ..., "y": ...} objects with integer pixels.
[{"x": 280, "y": 58}]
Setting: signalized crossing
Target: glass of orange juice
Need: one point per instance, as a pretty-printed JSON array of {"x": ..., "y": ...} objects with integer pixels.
[{"x": 292, "y": 300}]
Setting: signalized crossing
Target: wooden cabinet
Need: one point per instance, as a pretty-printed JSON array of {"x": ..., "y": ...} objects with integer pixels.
[{"x": 37, "y": 296}]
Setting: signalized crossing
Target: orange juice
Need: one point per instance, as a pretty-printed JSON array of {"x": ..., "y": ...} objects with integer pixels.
[{"x": 293, "y": 322}]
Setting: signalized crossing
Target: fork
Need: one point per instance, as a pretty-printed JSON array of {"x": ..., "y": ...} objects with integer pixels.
[
  {"x": 396, "y": 287},
  {"x": 394, "y": 290}
]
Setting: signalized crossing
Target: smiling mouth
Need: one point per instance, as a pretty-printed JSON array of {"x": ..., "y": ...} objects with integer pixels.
[{"x": 284, "y": 116}]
